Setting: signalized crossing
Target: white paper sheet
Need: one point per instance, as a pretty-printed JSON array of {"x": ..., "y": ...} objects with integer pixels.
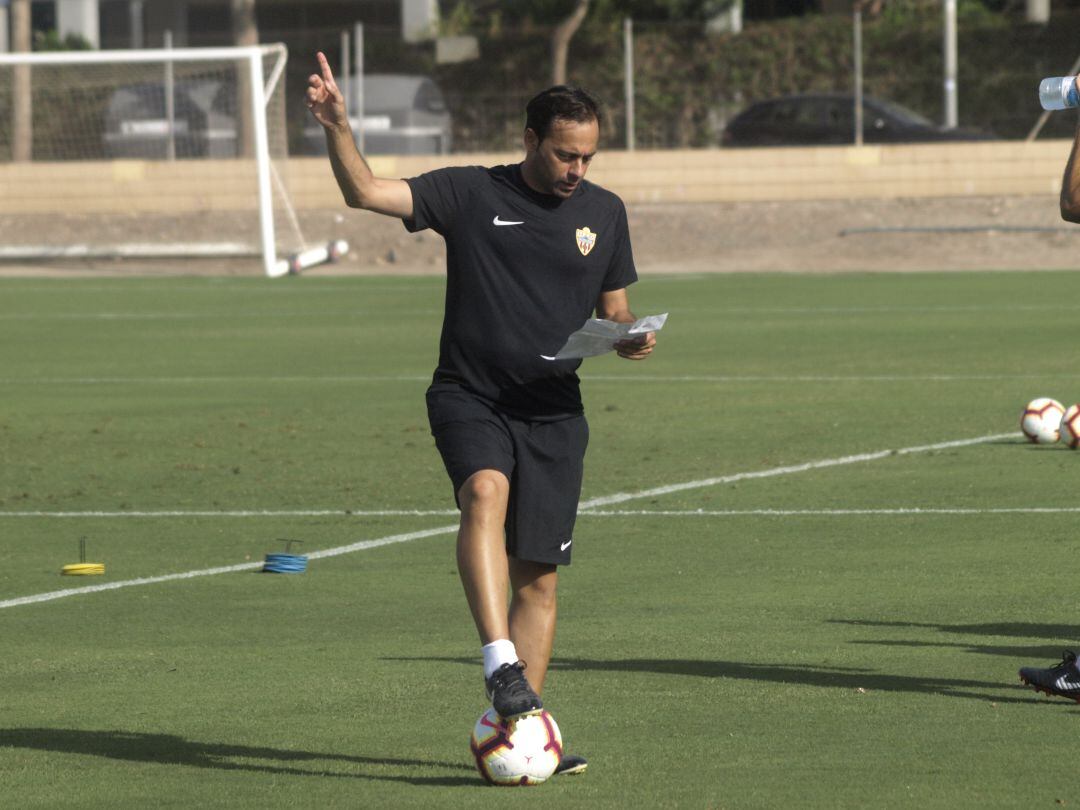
[{"x": 599, "y": 336}]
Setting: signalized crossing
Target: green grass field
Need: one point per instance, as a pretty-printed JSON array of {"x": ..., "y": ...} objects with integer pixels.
[{"x": 724, "y": 641}]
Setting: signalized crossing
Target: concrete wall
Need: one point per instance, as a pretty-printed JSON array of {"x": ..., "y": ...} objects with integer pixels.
[{"x": 718, "y": 175}]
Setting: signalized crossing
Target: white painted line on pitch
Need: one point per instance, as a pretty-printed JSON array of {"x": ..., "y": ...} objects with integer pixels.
[
  {"x": 634, "y": 378},
  {"x": 912, "y": 510},
  {"x": 226, "y": 569},
  {"x": 590, "y": 504},
  {"x": 198, "y": 316},
  {"x": 926, "y": 310},
  {"x": 723, "y": 378},
  {"x": 238, "y": 513},
  {"x": 608, "y": 500},
  {"x": 363, "y": 378}
]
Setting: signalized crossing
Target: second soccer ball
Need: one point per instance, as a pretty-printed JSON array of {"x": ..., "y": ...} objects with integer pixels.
[
  {"x": 1041, "y": 420},
  {"x": 1070, "y": 427}
]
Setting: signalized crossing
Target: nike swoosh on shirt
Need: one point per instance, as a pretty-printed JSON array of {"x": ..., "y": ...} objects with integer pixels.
[
  {"x": 565, "y": 546},
  {"x": 498, "y": 221}
]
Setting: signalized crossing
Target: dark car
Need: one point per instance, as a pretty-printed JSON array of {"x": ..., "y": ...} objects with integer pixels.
[{"x": 811, "y": 120}]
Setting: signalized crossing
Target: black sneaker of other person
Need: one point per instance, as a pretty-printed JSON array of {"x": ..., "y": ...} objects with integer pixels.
[
  {"x": 571, "y": 765},
  {"x": 1062, "y": 680}
]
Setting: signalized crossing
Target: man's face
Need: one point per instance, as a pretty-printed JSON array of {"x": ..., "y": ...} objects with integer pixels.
[{"x": 557, "y": 164}]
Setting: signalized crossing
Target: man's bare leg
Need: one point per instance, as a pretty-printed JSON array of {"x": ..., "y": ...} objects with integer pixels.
[
  {"x": 485, "y": 574},
  {"x": 532, "y": 629},
  {"x": 532, "y": 616},
  {"x": 481, "y": 551}
]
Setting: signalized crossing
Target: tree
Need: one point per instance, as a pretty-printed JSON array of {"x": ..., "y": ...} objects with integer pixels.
[
  {"x": 560, "y": 40},
  {"x": 22, "y": 134},
  {"x": 244, "y": 26},
  {"x": 487, "y": 16},
  {"x": 245, "y": 33}
]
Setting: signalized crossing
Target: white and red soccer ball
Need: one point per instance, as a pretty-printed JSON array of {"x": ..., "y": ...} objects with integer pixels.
[
  {"x": 1041, "y": 420},
  {"x": 1070, "y": 427},
  {"x": 520, "y": 751}
]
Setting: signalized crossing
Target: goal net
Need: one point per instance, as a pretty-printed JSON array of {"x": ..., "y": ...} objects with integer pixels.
[{"x": 146, "y": 153}]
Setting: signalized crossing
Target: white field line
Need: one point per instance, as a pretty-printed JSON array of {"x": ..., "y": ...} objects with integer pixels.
[
  {"x": 361, "y": 378},
  {"x": 287, "y": 313},
  {"x": 237, "y": 513},
  {"x": 911, "y": 510},
  {"x": 735, "y": 378},
  {"x": 621, "y": 497},
  {"x": 215, "y": 289},
  {"x": 590, "y": 504},
  {"x": 225, "y": 569},
  {"x": 620, "y": 378},
  {"x": 195, "y": 316},
  {"x": 361, "y": 513},
  {"x": 926, "y": 310}
]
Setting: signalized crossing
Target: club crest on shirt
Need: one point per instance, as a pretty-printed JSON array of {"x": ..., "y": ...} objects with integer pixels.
[{"x": 586, "y": 240}]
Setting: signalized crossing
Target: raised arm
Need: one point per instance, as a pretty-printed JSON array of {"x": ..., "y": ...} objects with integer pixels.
[
  {"x": 614, "y": 305},
  {"x": 1070, "y": 183},
  {"x": 358, "y": 185}
]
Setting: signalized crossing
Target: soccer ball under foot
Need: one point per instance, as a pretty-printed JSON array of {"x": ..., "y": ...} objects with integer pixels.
[{"x": 520, "y": 751}]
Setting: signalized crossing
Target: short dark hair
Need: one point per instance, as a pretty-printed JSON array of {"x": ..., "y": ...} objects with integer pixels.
[{"x": 560, "y": 102}]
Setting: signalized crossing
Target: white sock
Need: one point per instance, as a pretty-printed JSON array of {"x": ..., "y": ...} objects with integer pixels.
[{"x": 500, "y": 651}]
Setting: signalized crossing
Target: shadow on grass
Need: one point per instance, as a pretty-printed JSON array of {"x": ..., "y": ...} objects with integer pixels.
[
  {"x": 1065, "y": 635},
  {"x": 848, "y": 678},
  {"x": 168, "y": 749},
  {"x": 1055, "y": 632},
  {"x": 1035, "y": 652}
]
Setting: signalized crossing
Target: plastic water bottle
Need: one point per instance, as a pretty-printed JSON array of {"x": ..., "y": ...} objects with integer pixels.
[{"x": 1059, "y": 93}]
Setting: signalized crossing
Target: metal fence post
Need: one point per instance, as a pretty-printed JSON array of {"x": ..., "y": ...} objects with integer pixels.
[
  {"x": 856, "y": 24},
  {"x": 170, "y": 100},
  {"x": 358, "y": 90},
  {"x": 628, "y": 79},
  {"x": 950, "y": 64},
  {"x": 346, "y": 72}
]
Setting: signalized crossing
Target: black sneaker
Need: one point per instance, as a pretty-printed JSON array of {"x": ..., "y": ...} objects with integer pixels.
[
  {"x": 570, "y": 765},
  {"x": 510, "y": 693},
  {"x": 1062, "y": 680}
]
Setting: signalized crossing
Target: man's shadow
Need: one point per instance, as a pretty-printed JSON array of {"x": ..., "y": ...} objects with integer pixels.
[
  {"x": 849, "y": 678},
  {"x": 169, "y": 749},
  {"x": 1063, "y": 634}
]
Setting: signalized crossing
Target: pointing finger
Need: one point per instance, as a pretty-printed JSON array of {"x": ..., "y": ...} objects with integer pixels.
[{"x": 324, "y": 68}]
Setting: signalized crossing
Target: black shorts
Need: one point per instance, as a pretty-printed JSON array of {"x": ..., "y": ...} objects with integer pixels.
[{"x": 543, "y": 461}]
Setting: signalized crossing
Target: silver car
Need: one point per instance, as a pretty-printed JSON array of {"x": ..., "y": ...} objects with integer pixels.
[
  {"x": 203, "y": 121},
  {"x": 403, "y": 115}
]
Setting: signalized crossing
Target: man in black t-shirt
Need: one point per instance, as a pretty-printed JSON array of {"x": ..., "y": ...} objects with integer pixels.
[{"x": 533, "y": 250}]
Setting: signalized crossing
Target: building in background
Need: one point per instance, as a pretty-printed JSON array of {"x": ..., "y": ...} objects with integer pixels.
[{"x": 119, "y": 24}]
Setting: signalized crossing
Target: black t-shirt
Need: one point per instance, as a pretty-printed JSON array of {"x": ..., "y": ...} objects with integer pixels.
[{"x": 524, "y": 270}]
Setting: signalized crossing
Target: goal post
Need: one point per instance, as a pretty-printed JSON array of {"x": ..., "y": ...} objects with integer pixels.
[{"x": 175, "y": 152}]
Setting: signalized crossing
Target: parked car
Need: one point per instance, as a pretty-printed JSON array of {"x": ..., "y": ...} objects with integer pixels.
[
  {"x": 808, "y": 120},
  {"x": 403, "y": 115},
  {"x": 137, "y": 126}
]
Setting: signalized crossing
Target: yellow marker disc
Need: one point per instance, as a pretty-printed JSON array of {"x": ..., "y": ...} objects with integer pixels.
[{"x": 83, "y": 569}]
